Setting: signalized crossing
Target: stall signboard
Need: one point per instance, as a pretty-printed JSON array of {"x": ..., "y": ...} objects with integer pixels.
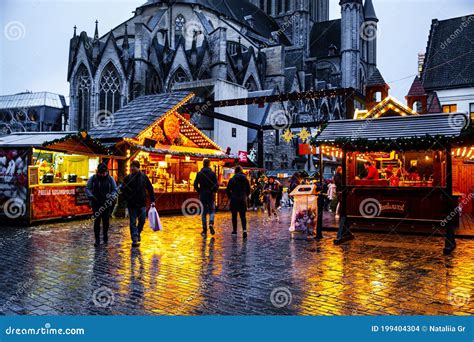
[
  {"x": 13, "y": 183},
  {"x": 395, "y": 207},
  {"x": 243, "y": 157},
  {"x": 49, "y": 202},
  {"x": 306, "y": 149}
]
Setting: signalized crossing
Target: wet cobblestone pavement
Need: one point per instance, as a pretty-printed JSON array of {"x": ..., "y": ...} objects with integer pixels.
[{"x": 53, "y": 269}]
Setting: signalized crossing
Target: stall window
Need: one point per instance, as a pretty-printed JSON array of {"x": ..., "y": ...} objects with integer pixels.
[
  {"x": 450, "y": 108},
  {"x": 396, "y": 168}
]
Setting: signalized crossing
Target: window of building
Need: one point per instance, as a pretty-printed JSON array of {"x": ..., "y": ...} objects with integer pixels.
[
  {"x": 269, "y": 7},
  {"x": 450, "y": 108},
  {"x": 179, "y": 24},
  {"x": 279, "y": 6},
  {"x": 471, "y": 110},
  {"x": 277, "y": 137},
  {"x": 110, "y": 89},
  {"x": 234, "y": 132},
  {"x": 288, "y": 5},
  {"x": 83, "y": 81}
]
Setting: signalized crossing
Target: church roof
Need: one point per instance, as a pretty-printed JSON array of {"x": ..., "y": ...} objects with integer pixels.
[
  {"x": 416, "y": 88},
  {"x": 449, "y": 61},
  {"x": 375, "y": 78},
  {"x": 237, "y": 10},
  {"x": 323, "y": 35}
]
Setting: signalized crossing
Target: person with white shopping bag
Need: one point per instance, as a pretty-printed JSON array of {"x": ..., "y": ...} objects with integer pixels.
[
  {"x": 134, "y": 188},
  {"x": 154, "y": 219}
]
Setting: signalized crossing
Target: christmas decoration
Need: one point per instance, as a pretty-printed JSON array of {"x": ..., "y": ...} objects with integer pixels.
[
  {"x": 304, "y": 134},
  {"x": 288, "y": 136}
]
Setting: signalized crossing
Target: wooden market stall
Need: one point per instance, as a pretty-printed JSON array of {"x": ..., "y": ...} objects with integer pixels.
[
  {"x": 398, "y": 169},
  {"x": 43, "y": 175},
  {"x": 168, "y": 146}
]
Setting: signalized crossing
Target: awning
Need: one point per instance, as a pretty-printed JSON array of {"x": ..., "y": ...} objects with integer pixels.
[{"x": 426, "y": 129}]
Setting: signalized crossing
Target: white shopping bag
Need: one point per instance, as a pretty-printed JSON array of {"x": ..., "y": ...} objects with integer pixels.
[{"x": 154, "y": 220}]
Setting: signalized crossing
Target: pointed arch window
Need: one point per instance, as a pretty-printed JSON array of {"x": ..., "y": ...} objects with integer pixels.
[
  {"x": 109, "y": 89},
  {"x": 179, "y": 24},
  {"x": 250, "y": 84},
  {"x": 179, "y": 76},
  {"x": 83, "y": 81}
]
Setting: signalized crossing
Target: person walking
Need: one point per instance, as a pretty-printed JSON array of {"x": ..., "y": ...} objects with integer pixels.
[
  {"x": 101, "y": 189},
  {"x": 238, "y": 191},
  {"x": 206, "y": 186},
  {"x": 134, "y": 188},
  {"x": 271, "y": 190}
]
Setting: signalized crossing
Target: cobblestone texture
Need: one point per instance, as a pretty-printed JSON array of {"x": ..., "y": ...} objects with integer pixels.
[{"x": 53, "y": 269}]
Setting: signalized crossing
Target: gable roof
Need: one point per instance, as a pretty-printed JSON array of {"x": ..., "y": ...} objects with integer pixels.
[
  {"x": 389, "y": 106},
  {"x": 449, "y": 58},
  {"x": 139, "y": 114}
]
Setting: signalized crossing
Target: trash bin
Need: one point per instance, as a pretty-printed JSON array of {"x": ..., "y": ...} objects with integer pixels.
[{"x": 305, "y": 212}]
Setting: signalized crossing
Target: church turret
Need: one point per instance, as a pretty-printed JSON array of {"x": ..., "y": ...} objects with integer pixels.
[
  {"x": 351, "y": 20},
  {"x": 240, "y": 57},
  {"x": 95, "y": 44},
  {"x": 370, "y": 28},
  {"x": 125, "y": 47}
]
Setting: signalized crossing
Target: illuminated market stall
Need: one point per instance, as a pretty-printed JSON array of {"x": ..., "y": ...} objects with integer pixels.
[
  {"x": 43, "y": 175},
  {"x": 399, "y": 169},
  {"x": 168, "y": 146}
]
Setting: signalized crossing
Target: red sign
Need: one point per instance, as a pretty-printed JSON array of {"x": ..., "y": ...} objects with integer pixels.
[
  {"x": 304, "y": 149},
  {"x": 243, "y": 157}
]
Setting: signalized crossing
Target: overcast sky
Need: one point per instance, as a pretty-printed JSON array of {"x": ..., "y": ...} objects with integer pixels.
[{"x": 36, "y": 55}]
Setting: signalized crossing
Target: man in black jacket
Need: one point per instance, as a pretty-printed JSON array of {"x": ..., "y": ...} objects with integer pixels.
[
  {"x": 238, "y": 190},
  {"x": 134, "y": 189},
  {"x": 206, "y": 186},
  {"x": 101, "y": 190}
]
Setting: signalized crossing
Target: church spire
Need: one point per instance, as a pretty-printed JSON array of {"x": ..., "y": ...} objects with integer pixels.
[
  {"x": 75, "y": 32},
  {"x": 96, "y": 33},
  {"x": 125, "y": 45},
  {"x": 369, "y": 11}
]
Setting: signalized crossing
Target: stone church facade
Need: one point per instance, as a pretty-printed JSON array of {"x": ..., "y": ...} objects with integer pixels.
[{"x": 222, "y": 49}]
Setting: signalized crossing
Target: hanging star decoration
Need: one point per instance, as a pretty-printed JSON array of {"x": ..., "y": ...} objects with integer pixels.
[
  {"x": 288, "y": 135},
  {"x": 304, "y": 134}
]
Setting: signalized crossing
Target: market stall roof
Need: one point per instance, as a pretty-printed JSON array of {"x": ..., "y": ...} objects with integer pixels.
[
  {"x": 139, "y": 114},
  {"x": 392, "y": 128},
  {"x": 71, "y": 142}
]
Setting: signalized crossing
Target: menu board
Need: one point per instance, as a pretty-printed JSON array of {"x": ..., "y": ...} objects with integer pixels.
[
  {"x": 81, "y": 196},
  {"x": 33, "y": 175}
]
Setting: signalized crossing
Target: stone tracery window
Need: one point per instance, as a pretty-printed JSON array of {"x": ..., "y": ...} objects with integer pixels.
[
  {"x": 179, "y": 76},
  {"x": 179, "y": 24},
  {"x": 83, "y": 81},
  {"x": 109, "y": 89}
]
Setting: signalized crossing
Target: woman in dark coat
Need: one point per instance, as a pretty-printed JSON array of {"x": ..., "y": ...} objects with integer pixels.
[{"x": 238, "y": 191}]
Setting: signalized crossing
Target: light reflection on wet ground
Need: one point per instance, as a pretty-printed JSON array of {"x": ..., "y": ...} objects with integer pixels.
[{"x": 54, "y": 269}]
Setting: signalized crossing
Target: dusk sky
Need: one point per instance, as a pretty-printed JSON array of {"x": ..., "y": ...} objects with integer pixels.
[{"x": 37, "y": 60}]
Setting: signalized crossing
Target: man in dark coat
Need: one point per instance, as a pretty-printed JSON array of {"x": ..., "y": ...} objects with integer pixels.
[
  {"x": 238, "y": 190},
  {"x": 206, "y": 186},
  {"x": 101, "y": 190},
  {"x": 134, "y": 189}
]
